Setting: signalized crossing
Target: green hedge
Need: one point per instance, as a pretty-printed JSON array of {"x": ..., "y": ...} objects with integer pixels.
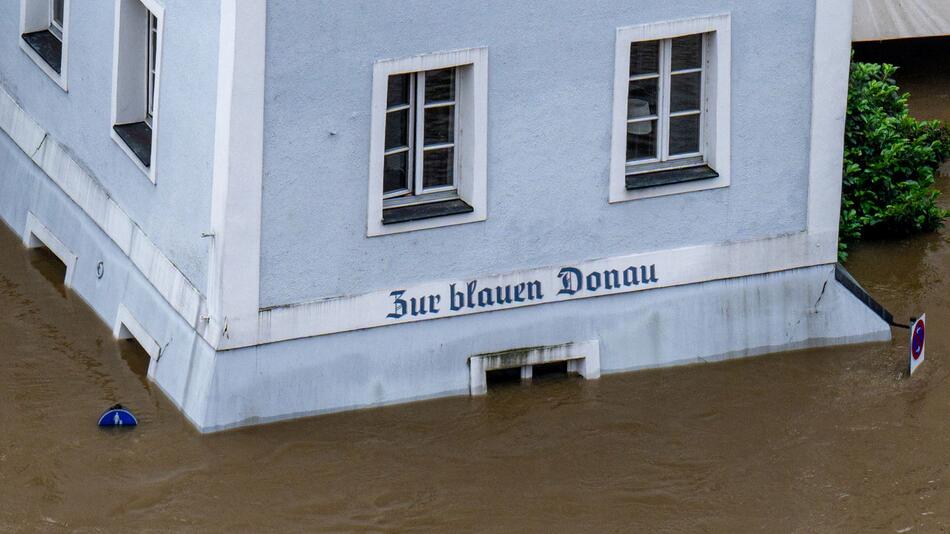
[{"x": 890, "y": 161}]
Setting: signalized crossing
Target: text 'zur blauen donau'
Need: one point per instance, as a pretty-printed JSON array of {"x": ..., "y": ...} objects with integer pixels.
[{"x": 474, "y": 296}]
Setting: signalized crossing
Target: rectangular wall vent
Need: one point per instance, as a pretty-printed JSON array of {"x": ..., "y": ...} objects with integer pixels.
[{"x": 582, "y": 358}]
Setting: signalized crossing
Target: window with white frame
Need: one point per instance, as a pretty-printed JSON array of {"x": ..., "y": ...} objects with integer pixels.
[
  {"x": 56, "y": 9},
  {"x": 671, "y": 108},
  {"x": 421, "y": 122},
  {"x": 665, "y": 103},
  {"x": 150, "y": 68},
  {"x": 427, "y": 161},
  {"x": 43, "y": 35},
  {"x": 136, "y": 79}
]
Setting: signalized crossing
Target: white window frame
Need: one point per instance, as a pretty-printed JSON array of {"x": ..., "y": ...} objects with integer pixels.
[
  {"x": 151, "y": 60},
  {"x": 56, "y": 28},
  {"x": 716, "y": 106},
  {"x": 131, "y": 79},
  {"x": 417, "y": 106},
  {"x": 37, "y": 15},
  {"x": 410, "y": 150},
  {"x": 664, "y": 77},
  {"x": 471, "y": 108}
]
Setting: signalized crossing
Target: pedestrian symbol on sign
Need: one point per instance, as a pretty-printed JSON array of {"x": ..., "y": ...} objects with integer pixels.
[{"x": 117, "y": 416}]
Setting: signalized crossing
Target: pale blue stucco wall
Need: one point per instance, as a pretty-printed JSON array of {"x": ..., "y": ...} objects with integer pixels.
[
  {"x": 550, "y": 97},
  {"x": 174, "y": 212}
]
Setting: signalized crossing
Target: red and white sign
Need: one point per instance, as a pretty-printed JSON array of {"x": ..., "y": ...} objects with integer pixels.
[{"x": 918, "y": 338}]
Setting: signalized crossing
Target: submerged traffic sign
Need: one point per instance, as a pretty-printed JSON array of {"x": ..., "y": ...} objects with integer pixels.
[
  {"x": 918, "y": 339},
  {"x": 117, "y": 416}
]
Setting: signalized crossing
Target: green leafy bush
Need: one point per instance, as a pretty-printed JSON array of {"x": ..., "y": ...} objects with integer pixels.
[{"x": 890, "y": 161}]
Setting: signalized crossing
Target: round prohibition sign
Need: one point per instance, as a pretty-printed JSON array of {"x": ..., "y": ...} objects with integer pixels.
[{"x": 917, "y": 341}]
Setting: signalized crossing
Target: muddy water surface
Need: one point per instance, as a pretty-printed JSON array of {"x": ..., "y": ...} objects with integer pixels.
[{"x": 832, "y": 440}]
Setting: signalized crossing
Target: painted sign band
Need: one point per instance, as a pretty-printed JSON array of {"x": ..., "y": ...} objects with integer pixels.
[
  {"x": 473, "y": 294},
  {"x": 453, "y": 297}
]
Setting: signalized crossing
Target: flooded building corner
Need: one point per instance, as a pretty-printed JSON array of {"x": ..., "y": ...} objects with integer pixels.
[{"x": 446, "y": 199}]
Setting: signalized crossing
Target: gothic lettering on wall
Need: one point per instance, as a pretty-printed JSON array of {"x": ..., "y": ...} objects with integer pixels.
[{"x": 473, "y": 295}]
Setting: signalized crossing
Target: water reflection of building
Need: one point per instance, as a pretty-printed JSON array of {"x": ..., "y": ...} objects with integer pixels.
[{"x": 297, "y": 209}]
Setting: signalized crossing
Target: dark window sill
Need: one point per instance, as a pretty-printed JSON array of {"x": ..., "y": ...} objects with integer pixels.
[
  {"x": 673, "y": 176},
  {"x": 138, "y": 137},
  {"x": 47, "y": 46},
  {"x": 419, "y": 212}
]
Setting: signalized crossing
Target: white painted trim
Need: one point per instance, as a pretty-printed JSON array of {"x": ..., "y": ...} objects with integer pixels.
[
  {"x": 128, "y": 327},
  {"x": 32, "y": 11},
  {"x": 471, "y": 146},
  {"x": 236, "y": 190},
  {"x": 89, "y": 195},
  {"x": 116, "y": 24},
  {"x": 830, "y": 71},
  {"x": 127, "y": 95},
  {"x": 57, "y": 28},
  {"x": 159, "y": 13},
  {"x": 583, "y": 358},
  {"x": 37, "y": 235},
  {"x": 718, "y": 97}
]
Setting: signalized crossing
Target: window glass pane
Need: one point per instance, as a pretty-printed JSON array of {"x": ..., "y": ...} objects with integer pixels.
[
  {"x": 641, "y": 140},
  {"x": 440, "y": 85},
  {"x": 395, "y": 172},
  {"x": 685, "y": 92},
  {"x": 150, "y": 73},
  {"x": 644, "y": 58},
  {"x": 440, "y": 125},
  {"x": 153, "y": 50},
  {"x": 687, "y": 52},
  {"x": 397, "y": 129},
  {"x": 398, "y": 92},
  {"x": 437, "y": 167},
  {"x": 58, "y": 12},
  {"x": 684, "y": 134},
  {"x": 642, "y": 98}
]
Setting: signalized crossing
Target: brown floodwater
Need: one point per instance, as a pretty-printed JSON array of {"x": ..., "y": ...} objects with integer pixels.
[{"x": 830, "y": 440}]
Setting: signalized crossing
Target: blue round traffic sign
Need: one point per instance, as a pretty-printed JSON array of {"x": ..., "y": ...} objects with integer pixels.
[{"x": 117, "y": 416}]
